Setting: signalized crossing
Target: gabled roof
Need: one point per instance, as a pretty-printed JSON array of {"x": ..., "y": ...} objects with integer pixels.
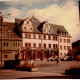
[
  {"x": 37, "y": 25},
  {"x": 34, "y": 19}
]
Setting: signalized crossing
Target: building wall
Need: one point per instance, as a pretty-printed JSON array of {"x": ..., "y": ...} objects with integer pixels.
[
  {"x": 63, "y": 52},
  {"x": 10, "y": 49}
]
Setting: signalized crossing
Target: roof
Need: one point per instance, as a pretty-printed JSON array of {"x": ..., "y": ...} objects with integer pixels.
[
  {"x": 10, "y": 28},
  {"x": 37, "y": 25}
]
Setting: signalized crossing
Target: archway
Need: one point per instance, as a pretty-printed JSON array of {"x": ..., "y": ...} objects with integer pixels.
[{"x": 27, "y": 56}]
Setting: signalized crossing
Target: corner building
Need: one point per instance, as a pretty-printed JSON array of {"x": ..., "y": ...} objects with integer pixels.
[{"x": 41, "y": 40}]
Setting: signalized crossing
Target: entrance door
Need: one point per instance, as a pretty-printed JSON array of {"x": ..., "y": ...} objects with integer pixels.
[
  {"x": 27, "y": 56},
  {"x": 45, "y": 55},
  {"x": 38, "y": 55}
]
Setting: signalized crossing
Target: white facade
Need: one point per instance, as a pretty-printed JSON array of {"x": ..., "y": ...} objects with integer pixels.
[
  {"x": 65, "y": 44},
  {"x": 28, "y": 37}
]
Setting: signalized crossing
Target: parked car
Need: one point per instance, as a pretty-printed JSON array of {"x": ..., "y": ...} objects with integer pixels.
[
  {"x": 78, "y": 58},
  {"x": 51, "y": 59},
  {"x": 27, "y": 67}
]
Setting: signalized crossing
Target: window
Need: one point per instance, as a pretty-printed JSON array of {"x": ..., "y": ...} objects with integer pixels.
[
  {"x": 44, "y": 36},
  {"x": 5, "y": 57},
  {"x": 34, "y": 36},
  {"x": 49, "y": 30},
  {"x": 7, "y": 44},
  {"x": 64, "y": 40},
  {"x": 49, "y": 45},
  {"x": 60, "y": 47},
  {"x": 60, "y": 40},
  {"x": 44, "y": 45},
  {"x": 55, "y": 37},
  {"x": 49, "y": 37},
  {"x": 60, "y": 54},
  {"x": 39, "y": 45},
  {"x": 27, "y": 22},
  {"x": 46, "y": 24},
  {"x": 13, "y": 44},
  {"x": 18, "y": 44},
  {"x": 44, "y": 30},
  {"x": 68, "y": 47},
  {"x": 29, "y": 36},
  {"x": 29, "y": 44},
  {"x": 26, "y": 44},
  {"x": 31, "y": 28},
  {"x": 68, "y": 40},
  {"x": 4, "y": 44},
  {"x": 24, "y": 28},
  {"x": 54, "y": 46},
  {"x": 39, "y": 36},
  {"x": 64, "y": 54},
  {"x": 26, "y": 36},
  {"x": 64, "y": 47},
  {"x": 34, "y": 45}
]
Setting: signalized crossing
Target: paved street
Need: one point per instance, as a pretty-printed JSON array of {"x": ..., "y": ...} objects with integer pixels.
[
  {"x": 53, "y": 67},
  {"x": 45, "y": 68}
]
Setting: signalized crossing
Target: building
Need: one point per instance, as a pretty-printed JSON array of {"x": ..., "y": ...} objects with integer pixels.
[
  {"x": 75, "y": 51},
  {"x": 11, "y": 42},
  {"x": 41, "y": 40},
  {"x": 34, "y": 39}
]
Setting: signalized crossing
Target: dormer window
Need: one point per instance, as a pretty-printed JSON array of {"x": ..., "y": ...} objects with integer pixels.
[
  {"x": 27, "y": 22},
  {"x": 46, "y": 24},
  {"x": 31, "y": 28},
  {"x": 24, "y": 28}
]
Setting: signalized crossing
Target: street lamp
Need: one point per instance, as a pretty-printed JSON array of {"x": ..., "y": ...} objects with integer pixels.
[{"x": 1, "y": 31}]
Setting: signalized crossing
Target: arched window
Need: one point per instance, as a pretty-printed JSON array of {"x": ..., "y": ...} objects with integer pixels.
[
  {"x": 7, "y": 44},
  {"x": 4, "y": 44}
]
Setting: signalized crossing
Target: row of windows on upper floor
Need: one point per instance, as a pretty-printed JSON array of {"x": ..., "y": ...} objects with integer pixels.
[
  {"x": 29, "y": 45},
  {"x": 61, "y": 55},
  {"x": 65, "y": 40},
  {"x": 14, "y": 44},
  {"x": 64, "y": 47},
  {"x": 28, "y": 36}
]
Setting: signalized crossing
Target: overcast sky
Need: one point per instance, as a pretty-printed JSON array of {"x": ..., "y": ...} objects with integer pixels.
[{"x": 62, "y": 12}]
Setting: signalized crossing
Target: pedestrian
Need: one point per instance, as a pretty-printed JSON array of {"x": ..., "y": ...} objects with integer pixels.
[{"x": 57, "y": 61}]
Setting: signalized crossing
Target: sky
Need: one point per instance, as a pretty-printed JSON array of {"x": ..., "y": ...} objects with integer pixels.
[{"x": 60, "y": 12}]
